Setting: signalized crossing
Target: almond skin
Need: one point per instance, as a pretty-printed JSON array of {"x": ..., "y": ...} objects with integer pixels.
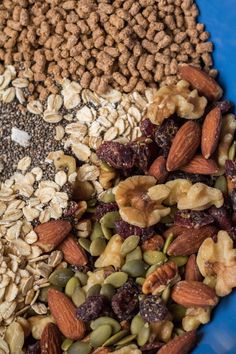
[
  {"x": 64, "y": 313},
  {"x": 180, "y": 345},
  {"x": 184, "y": 146},
  {"x": 189, "y": 241},
  {"x": 211, "y": 129},
  {"x": 191, "y": 269},
  {"x": 201, "y": 81},
  {"x": 193, "y": 293},
  {"x": 51, "y": 233},
  {"x": 158, "y": 169},
  {"x": 201, "y": 166},
  {"x": 50, "y": 342},
  {"x": 174, "y": 230},
  {"x": 73, "y": 252}
]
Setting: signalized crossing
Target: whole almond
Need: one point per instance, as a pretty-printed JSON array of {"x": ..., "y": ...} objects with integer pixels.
[
  {"x": 180, "y": 344},
  {"x": 193, "y": 293},
  {"x": 184, "y": 146},
  {"x": 64, "y": 313},
  {"x": 189, "y": 241},
  {"x": 158, "y": 169},
  {"x": 174, "y": 230},
  {"x": 50, "y": 342},
  {"x": 73, "y": 253},
  {"x": 191, "y": 269},
  {"x": 51, "y": 233},
  {"x": 201, "y": 166},
  {"x": 201, "y": 81},
  {"x": 211, "y": 129}
]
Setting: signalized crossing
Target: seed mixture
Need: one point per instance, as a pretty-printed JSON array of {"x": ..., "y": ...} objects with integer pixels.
[{"x": 117, "y": 192}]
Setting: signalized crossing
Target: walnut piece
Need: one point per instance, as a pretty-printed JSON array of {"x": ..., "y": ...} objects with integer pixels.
[
  {"x": 62, "y": 161},
  {"x": 200, "y": 197},
  {"x": 176, "y": 99},
  {"x": 128, "y": 349},
  {"x": 219, "y": 260},
  {"x": 161, "y": 330},
  {"x": 178, "y": 189},
  {"x": 111, "y": 256},
  {"x": 140, "y": 202},
  {"x": 226, "y": 138},
  {"x": 194, "y": 317}
]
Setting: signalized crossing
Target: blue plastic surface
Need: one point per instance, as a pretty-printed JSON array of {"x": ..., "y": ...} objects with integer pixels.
[{"x": 219, "y": 336}]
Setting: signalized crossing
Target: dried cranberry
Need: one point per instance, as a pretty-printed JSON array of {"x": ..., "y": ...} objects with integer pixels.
[
  {"x": 104, "y": 208},
  {"x": 165, "y": 134},
  {"x": 125, "y": 230},
  {"x": 151, "y": 348},
  {"x": 194, "y": 178},
  {"x": 225, "y": 106},
  {"x": 145, "y": 152},
  {"x": 33, "y": 348},
  {"x": 233, "y": 200},
  {"x": 230, "y": 170},
  {"x": 148, "y": 129},
  {"x": 92, "y": 308},
  {"x": 221, "y": 217},
  {"x": 192, "y": 219},
  {"x": 125, "y": 302},
  {"x": 152, "y": 309},
  {"x": 117, "y": 155},
  {"x": 232, "y": 233}
]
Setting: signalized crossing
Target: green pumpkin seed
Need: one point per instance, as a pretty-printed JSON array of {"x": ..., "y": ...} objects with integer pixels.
[
  {"x": 97, "y": 231},
  {"x": 168, "y": 242},
  {"x": 108, "y": 290},
  {"x": 135, "y": 254},
  {"x": 126, "y": 340},
  {"x": 109, "y": 219},
  {"x": 140, "y": 280},
  {"x": 178, "y": 311},
  {"x": 71, "y": 285},
  {"x": 105, "y": 167},
  {"x": 221, "y": 184},
  {"x": 97, "y": 246},
  {"x": 116, "y": 279},
  {"x": 153, "y": 257},
  {"x": 80, "y": 348},
  {"x": 179, "y": 260},
  {"x": 143, "y": 335},
  {"x": 106, "y": 232},
  {"x": 153, "y": 268},
  {"x": 83, "y": 278},
  {"x": 66, "y": 344},
  {"x": 137, "y": 324},
  {"x": 85, "y": 243},
  {"x": 129, "y": 244},
  {"x": 232, "y": 151},
  {"x": 100, "y": 335},
  {"x": 115, "y": 338},
  {"x": 104, "y": 320},
  {"x": 107, "y": 196},
  {"x": 179, "y": 331},
  {"x": 43, "y": 295},
  {"x": 94, "y": 290},
  {"x": 166, "y": 295},
  {"x": 135, "y": 268},
  {"x": 78, "y": 297},
  {"x": 60, "y": 277}
]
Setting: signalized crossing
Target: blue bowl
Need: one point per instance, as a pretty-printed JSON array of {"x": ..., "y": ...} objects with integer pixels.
[{"x": 219, "y": 336}]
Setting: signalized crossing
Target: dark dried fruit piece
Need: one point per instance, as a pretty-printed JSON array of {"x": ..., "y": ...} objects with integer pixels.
[
  {"x": 165, "y": 134},
  {"x": 116, "y": 155},
  {"x": 148, "y": 129},
  {"x": 125, "y": 302},
  {"x": 233, "y": 200},
  {"x": 230, "y": 170},
  {"x": 192, "y": 219},
  {"x": 125, "y": 230},
  {"x": 221, "y": 217},
  {"x": 225, "y": 106},
  {"x": 92, "y": 308},
  {"x": 151, "y": 348},
  {"x": 104, "y": 208},
  {"x": 33, "y": 348},
  {"x": 194, "y": 178},
  {"x": 145, "y": 152},
  {"x": 152, "y": 309}
]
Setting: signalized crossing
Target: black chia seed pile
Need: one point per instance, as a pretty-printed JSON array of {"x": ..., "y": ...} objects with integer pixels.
[{"x": 41, "y": 143}]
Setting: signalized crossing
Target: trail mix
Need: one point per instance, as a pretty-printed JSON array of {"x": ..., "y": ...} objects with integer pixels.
[{"x": 137, "y": 265}]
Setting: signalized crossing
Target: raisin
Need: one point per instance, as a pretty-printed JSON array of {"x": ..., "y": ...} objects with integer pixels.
[
  {"x": 116, "y": 155},
  {"x": 104, "y": 208},
  {"x": 221, "y": 217},
  {"x": 125, "y": 230},
  {"x": 33, "y": 348},
  {"x": 125, "y": 302},
  {"x": 233, "y": 200},
  {"x": 145, "y": 152},
  {"x": 225, "y": 106},
  {"x": 165, "y": 134},
  {"x": 148, "y": 129},
  {"x": 151, "y": 348},
  {"x": 194, "y": 178},
  {"x": 152, "y": 309},
  {"x": 230, "y": 170},
  {"x": 192, "y": 219},
  {"x": 92, "y": 308}
]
